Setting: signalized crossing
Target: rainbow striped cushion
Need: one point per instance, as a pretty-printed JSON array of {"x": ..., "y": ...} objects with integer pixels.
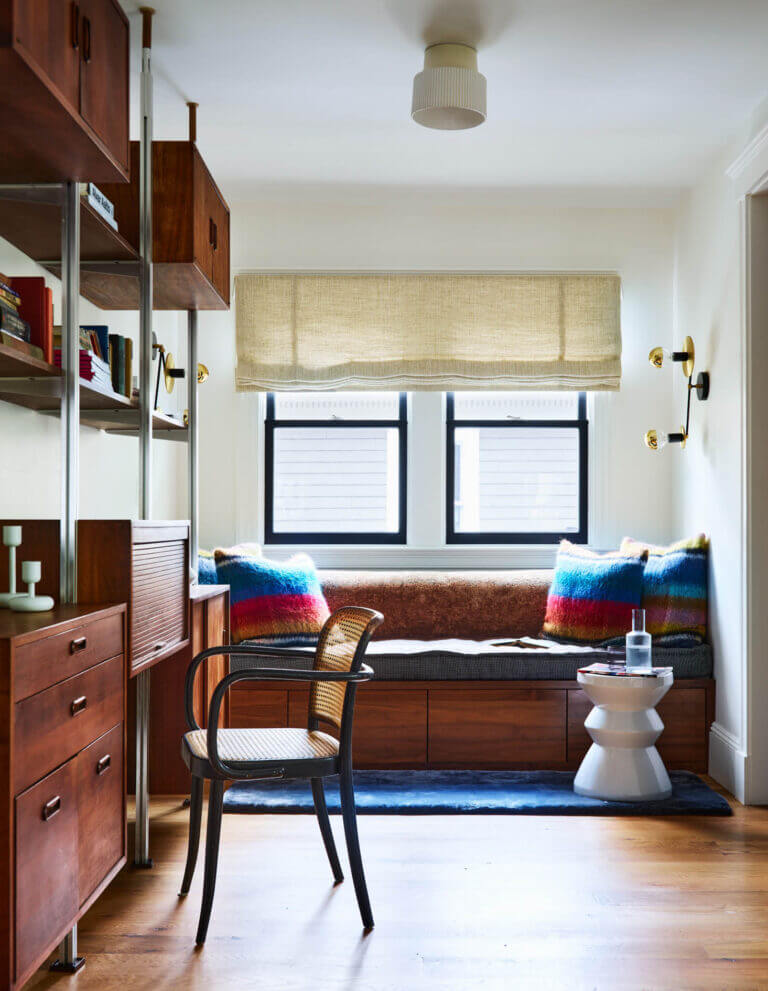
[
  {"x": 206, "y": 568},
  {"x": 592, "y": 595},
  {"x": 278, "y": 602},
  {"x": 674, "y": 586}
]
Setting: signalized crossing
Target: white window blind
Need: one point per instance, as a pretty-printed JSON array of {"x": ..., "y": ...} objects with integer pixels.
[{"x": 330, "y": 478}]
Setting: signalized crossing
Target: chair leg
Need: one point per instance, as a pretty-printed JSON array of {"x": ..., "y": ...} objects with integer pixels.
[
  {"x": 195, "y": 815},
  {"x": 349, "y": 815},
  {"x": 213, "y": 833},
  {"x": 321, "y": 810}
]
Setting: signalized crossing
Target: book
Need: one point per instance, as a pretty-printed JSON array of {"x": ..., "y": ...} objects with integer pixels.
[
  {"x": 114, "y": 360},
  {"x": 7, "y": 295},
  {"x": 12, "y": 322},
  {"x": 23, "y": 346},
  {"x": 621, "y": 671},
  {"x": 99, "y": 334},
  {"x": 128, "y": 379},
  {"x": 47, "y": 342},
  {"x": 33, "y": 307},
  {"x": 103, "y": 206}
]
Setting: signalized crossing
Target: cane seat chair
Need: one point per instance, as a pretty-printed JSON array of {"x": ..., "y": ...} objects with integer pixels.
[{"x": 250, "y": 754}]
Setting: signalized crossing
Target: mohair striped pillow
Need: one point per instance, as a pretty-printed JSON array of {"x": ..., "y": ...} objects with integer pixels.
[
  {"x": 278, "y": 602},
  {"x": 592, "y": 595},
  {"x": 674, "y": 585},
  {"x": 206, "y": 568}
]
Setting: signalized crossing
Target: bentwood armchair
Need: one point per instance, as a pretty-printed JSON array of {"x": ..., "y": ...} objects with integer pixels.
[{"x": 250, "y": 754}]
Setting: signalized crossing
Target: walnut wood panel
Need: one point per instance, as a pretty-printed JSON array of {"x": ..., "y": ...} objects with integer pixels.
[
  {"x": 65, "y": 654},
  {"x": 682, "y": 745},
  {"x": 104, "y": 73},
  {"x": 53, "y": 725},
  {"x": 390, "y": 729},
  {"x": 101, "y": 823},
  {"x": 159, "y": 602},
  {"x": 256, "y": 709},
  {"x": 45, "y": 137},
  {"x": 40, "y": 542},
  {"x": 46, "y": 859},
  {"x": 490, "y": 728}
]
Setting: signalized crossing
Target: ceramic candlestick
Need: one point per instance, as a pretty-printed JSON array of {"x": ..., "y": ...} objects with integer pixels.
[
  {"x": 11, "y": 539},
  {"x": 31, "y": 572}
]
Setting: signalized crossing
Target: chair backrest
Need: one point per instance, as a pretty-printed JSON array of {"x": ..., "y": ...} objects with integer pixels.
[{"x": 340, "y": 647}]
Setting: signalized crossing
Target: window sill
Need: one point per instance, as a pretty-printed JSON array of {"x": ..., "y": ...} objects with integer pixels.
[{"x": 458, "y": 556}]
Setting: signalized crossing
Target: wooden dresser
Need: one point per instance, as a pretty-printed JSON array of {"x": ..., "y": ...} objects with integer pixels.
[{"x": 62, "y": 755}]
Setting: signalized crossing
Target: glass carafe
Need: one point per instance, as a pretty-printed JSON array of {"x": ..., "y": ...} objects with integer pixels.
[{"x": 638, "y": 644}]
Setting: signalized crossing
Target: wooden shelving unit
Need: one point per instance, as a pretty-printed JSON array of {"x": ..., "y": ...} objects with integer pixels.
[{"x": 29, "y": 382}]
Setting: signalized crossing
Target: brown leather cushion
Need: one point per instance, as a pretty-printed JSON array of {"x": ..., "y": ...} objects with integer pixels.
[{"x": 427, "y": 605}]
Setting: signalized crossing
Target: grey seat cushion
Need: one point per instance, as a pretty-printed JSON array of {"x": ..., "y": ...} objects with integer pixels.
[{"x": 492, "y": 660}]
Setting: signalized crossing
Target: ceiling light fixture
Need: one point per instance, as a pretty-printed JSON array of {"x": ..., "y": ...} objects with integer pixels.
[{"x": 449, "y": 93}]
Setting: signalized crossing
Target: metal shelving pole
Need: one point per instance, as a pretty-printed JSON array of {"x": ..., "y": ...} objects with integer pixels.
[
  {"x": 141, "y": 850},
  {"x": 192, "y": 435},
  {"x": 68, "y": 960}
]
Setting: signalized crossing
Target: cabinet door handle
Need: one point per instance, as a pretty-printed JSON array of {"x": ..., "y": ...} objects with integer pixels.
[
  {"x": 51, "y": 808},
  {"x": 103, "y": 764},
  {"x": 86, "y": 39},
  {"x": 78, "y": 705},
  {"x": 215, "y": 237},
  {"x": 75, "y": 26},
  {"x": 159, "y": 645},
  {"x": 75, "y": 646},
  {"x": 210, "y": 231}
]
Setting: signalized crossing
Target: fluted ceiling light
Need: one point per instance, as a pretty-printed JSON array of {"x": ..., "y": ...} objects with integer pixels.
[{"x": 449, "y": 94}]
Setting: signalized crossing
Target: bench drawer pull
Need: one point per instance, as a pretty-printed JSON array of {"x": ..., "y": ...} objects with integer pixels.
[
  {"x": 104, "y": 764},
  {"x": 51, "y": 808},
  {"x": 75, "y": 646},
  {"x": 78, "y": 705}
]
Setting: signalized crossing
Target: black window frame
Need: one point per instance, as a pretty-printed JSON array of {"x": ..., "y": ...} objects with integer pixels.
[
  {"x": 271, "y": 424},
  {"x": 581, "y": 423}
]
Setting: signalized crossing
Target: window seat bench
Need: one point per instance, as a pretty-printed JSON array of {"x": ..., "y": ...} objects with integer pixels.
[{"x": 450, "y": 690}]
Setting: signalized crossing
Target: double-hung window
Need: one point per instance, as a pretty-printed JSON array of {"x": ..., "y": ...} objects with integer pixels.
[
  {"x": 336, "y": 468},
  {"x": 516, "y": 467}
]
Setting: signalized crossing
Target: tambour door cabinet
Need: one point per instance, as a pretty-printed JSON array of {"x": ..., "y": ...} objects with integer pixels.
[
  {"x": 190, "y": 226},
  {"x": 144, "y": 563},
  {"x": 62, "y": 774},
  {"x": 64, "y": 88}
]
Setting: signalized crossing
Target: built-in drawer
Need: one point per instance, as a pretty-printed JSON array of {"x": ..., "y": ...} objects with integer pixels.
[
  {"x": 45, "y": 662},
  {"x": 46, "y": 865},
  {"x": 100, "y": 809},
  {"x": 53, "y": 725},
  {"x": 159, "y": 607}
]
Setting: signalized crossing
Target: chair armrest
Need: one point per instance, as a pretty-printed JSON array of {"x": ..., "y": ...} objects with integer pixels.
[
  {"x": 225, "y": 650},
  {"x": 263, "y": 674}
]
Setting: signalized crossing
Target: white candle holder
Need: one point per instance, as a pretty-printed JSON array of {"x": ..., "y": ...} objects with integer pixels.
[
  {"x": 31, "y": 572},
  {"x": 11, "y": 539}
]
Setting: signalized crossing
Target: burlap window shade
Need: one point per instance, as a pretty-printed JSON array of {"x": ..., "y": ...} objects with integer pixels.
[{"x": 443, "y": 331}]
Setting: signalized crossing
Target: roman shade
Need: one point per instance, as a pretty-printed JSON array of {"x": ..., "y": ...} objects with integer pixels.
[{"x": 309, "y": 331}]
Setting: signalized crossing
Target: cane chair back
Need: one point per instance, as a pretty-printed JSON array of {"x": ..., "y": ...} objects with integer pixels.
[{"x": 340, "y": 647}]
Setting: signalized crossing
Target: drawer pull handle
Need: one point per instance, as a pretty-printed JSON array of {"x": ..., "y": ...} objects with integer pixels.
[
  {"x": 86, "y": 39},
  {"x": 75, "y": 25},
  {"x": 159, "y": 645},
  {"x": 51, "y": 808},
  {"x": 78, "y": 705},
  {"x": 103, "y": 764},
  {"x": 75, "y": 646}
]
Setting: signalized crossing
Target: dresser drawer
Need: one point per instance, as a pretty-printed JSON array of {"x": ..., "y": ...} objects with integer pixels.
[
  {"x": 159, "y": 607},
  {"x": 46, "y": 865},
  {"x": 100, "y": 804},
  {"x": 45, "y": 662},
  {"x": 55, "y": 724}
]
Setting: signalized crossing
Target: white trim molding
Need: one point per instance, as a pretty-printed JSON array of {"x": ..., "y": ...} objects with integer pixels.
[
  {"x": 727, "y": 761},
  {"x": 749, "y": 168}
]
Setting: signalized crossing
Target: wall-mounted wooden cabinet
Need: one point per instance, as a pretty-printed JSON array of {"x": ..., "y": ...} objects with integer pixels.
[
  {"x": 64, "y": 87},
  {"x": 190, "y": 224}
]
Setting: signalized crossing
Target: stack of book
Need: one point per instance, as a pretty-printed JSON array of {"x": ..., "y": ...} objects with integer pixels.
[
  {"x": 26, "y": 315},
  {"x": 105, "y": 359}
]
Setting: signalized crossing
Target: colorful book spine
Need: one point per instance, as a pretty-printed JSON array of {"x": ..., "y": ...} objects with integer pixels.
[
  {"x": 11, "y": 321},
  {"x": 24, "y": 347}
]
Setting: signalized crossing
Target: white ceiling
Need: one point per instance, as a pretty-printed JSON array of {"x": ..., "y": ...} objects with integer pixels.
[{"x": 580, "y": 92}]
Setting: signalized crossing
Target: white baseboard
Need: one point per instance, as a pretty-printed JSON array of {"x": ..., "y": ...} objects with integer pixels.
[{"x": 727, "y": 761}]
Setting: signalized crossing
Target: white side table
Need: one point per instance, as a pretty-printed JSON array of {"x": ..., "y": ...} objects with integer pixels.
[{"x": 623, "y": 763}]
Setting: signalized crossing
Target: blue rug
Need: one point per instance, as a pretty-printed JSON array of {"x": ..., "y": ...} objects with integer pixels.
[{"x": 471, "y": 793}]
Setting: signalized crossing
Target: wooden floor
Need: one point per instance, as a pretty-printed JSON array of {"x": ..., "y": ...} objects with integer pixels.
[{"x": 460, "y": 902}]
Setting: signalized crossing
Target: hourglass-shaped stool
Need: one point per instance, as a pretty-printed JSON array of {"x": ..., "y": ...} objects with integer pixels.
[{"x": 623, "y": 764}]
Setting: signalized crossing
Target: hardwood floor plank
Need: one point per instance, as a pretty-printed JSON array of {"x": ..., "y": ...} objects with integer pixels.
[{"x": 460, "y": 903}]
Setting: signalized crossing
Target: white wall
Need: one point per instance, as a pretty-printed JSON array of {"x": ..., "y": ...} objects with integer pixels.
[
  {"x": 325, "y": 229},
  {"x": 30, "y": 443}
]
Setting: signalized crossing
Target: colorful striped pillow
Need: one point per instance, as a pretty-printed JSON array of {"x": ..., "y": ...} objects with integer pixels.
[
  {"x": 206, "y": 568},
  {"x": 279, "y": 602},
  {"x": 674, "y": 585},
  {"x": 592, "y": 595}
]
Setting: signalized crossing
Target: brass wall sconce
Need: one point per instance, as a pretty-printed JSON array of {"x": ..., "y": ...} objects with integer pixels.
[
  {"x": 653, "y": 439},
  {"x": 169, "y": 372}
]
